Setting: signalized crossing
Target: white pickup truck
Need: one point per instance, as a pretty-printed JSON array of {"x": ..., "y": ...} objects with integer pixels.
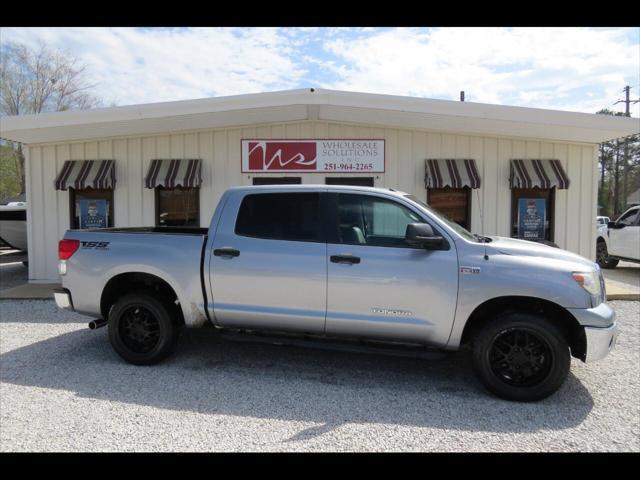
[
  {"x": 350, "y": 264},
  {"x": 619, "y": 240}
]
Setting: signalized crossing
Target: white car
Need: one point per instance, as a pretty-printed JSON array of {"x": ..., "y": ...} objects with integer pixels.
[{"x": 620, "y": 240}]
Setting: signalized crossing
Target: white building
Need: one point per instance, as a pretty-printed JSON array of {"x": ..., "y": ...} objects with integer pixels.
[{"x": 480, "y": 164}]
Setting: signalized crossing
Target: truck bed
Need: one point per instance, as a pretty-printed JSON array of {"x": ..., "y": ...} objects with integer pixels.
[
  {"x": 160, "y": 230},
  {"x": 171, "y": 254}
]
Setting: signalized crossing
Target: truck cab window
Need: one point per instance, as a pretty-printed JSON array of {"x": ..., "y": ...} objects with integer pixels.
[
  {"x": 373, "y": 221},
  {"x": 280, "y": 216},
  {"x": 629, "y": 217}
]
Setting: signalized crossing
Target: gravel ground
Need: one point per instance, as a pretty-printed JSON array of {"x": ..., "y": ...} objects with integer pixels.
[
  {"x": 12, "y": 275},
  {"x": 63, "y": 389}
]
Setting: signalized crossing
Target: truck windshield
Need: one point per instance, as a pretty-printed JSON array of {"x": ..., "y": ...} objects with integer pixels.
[{"x": 463, "y": 232}]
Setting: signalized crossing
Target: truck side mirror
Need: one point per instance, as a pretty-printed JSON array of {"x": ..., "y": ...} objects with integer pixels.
[
  {"x": 615, "y": 225},
  {"x": 422, "y": 235}
]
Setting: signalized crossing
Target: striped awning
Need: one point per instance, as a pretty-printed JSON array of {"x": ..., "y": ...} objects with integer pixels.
[
  {"x": 174, "y": 173},
  {"x": 537, "y": 174},
  {"x": 454, "y": 173},
  {"x": 80, "y": 174}
]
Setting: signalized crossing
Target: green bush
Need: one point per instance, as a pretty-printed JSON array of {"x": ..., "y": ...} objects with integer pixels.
[{"x": 9, "y": 173}]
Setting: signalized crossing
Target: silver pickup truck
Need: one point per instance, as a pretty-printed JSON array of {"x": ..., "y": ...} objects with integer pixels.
[{"x": 349, "y": 265}]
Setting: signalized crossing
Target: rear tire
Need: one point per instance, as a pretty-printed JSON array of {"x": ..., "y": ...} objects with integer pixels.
[
  {"x": 521, "y": 357},
  {"x": 602, "y": 256},
  {"x": 142, "y": 330}
]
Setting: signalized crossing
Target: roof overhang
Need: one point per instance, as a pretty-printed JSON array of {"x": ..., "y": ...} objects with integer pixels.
[{"x": 317, "y": 104}]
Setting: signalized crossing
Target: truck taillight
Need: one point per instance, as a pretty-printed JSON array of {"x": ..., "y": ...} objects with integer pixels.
[{"x": 66, "y": 248}]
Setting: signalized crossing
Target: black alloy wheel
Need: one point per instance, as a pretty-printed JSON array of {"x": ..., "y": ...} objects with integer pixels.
[
  {"x": 520, "y": 357},
  {"x": 143, "y": 329},
  {"x": 139, "y": 329}
]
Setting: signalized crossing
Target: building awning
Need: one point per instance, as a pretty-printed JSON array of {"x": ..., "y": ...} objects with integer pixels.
[
  {"x": 174, "y": 173},
  {"x": 81, "y": 174},
  {"x": 454, "y": 173},
  {"x": 537, "y": 174}
]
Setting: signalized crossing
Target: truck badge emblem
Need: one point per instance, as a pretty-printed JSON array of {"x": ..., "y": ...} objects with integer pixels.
[
  {"x": 469, "y": 270},
  {"x": 392, "y": 311}
]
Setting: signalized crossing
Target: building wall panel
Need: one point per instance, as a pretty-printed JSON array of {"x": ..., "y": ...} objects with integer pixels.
[{"x": 405, "y": 152}]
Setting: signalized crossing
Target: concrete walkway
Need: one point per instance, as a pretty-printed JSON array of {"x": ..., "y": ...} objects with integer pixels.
[
  {"x": 621, "y": 291},
  {"x": 623, "y": 281},
  {"x": 30, "y": 291}
]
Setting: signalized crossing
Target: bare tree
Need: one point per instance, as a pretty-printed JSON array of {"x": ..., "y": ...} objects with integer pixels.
[{"x": 36, "y": 80}]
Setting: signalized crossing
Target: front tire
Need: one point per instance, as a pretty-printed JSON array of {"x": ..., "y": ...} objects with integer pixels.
[
  {"x": 602, "y": 256},
  {"x": 142, "y": 330},
  {"x": 521, "y": 357}
]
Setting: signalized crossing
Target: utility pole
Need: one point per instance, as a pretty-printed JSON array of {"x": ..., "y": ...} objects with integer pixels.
[
  {"x": 627, "y": 101},
  {"x": 627, "y": 113}
]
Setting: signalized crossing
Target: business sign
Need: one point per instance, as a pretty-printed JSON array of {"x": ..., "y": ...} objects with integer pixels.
[
  {"x": 93, "y": 214},
  {"x": 312, "y": 156},
  {"x": 531, "y": 218}
]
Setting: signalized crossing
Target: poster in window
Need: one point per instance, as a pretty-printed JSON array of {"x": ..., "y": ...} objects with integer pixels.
[
  {"x": 531, "y": 218},
  {"x": 93, "y": 213}
]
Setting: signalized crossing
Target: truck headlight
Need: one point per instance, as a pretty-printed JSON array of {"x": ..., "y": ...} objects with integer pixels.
[{"x": 589, "y": 281}]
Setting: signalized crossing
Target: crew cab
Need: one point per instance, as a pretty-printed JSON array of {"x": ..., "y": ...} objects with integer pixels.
[
  {"x": 620, "y": 240},
  {"x": 350, "y": 265}
]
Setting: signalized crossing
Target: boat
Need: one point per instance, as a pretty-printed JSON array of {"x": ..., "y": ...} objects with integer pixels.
[{"x": 13, "y": 223}]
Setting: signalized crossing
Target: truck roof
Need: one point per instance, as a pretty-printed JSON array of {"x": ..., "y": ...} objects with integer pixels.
[{"x": 318, "y": 187}]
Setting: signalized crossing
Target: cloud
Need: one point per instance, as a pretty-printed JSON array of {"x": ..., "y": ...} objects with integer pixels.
[
  {"x": 579, "y": 69},
  {"x": 132, "y": 66},
  {"x": 538, "y": 67}
]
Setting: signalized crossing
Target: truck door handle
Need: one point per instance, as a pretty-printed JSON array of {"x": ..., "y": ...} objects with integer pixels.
[
  {"x": 350, "y": 259},
  {"x": 226, "y": 252}
]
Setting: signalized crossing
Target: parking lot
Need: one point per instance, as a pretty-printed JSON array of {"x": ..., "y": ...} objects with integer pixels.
[{"x": 63, "y": 389}]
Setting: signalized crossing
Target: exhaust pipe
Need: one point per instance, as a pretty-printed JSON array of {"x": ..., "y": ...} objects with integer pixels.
[{"x": 97, "y": 323}]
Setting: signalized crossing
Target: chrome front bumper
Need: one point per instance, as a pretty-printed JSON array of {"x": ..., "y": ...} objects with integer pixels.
[
  {"x": 600, "y": 341},
  {"x": 63, "y": 298},
  {"x": 600, "y": 329}
]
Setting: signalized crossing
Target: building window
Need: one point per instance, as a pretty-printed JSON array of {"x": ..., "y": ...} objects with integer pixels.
[
  {"x": 352, "y": 181},
  {"x": 277, "y": 180},
  {"x": 454, "y": 203},
  {"x": 532, "y": 213},
  {"x": 91, "y": 208},
  {"x": 178, "y": 207}
]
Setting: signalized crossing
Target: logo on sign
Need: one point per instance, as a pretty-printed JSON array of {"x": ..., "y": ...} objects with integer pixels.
[
  {"x": 313, "y": 156},
  {"x": 282, "y": 156}
]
